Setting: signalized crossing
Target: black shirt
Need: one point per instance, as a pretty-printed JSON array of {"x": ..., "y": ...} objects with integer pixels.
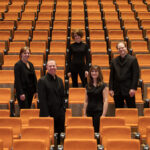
[
  {"x": 95, "y": 98},
  {"x": 51, "y": 96},
  {"x": 78, "y": 53},
  {"x": 25, "y": 78}
]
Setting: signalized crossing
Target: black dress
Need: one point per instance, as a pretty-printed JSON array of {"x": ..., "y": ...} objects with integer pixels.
[
  {"x": 95, "y": 104},
  {"x": 25, "y": 83},
  {"x": 78, "y": 59}
]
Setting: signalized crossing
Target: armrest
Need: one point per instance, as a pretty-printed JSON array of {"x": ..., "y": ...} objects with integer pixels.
[
  {"x": 97, "y": 137},
  {"x": 136, "y": 135},
  {"x": 12, "y": 109},
  {"x": 146, "y": 147},
  {"x": 100, "y": 147},
  {"x": 62, "y": 137}
]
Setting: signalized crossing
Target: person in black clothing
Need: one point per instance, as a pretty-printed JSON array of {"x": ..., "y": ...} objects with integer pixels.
[
  {"x": 124, "y": 76},
  {"x": 96, "y": 102},
  {"x": 25, "y": 79},
  {"x": 51, "y": 97},
  {"x": 78, "y": 59}
]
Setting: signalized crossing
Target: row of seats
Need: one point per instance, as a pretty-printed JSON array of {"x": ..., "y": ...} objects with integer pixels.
[{"x": 121, "y": 126}]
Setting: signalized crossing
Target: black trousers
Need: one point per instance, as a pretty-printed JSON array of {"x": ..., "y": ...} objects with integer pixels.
[
  {"x": 27, "y": 102},
  {"x": 96, "y": 119},
  {"x": 119, "y": 101},
  {"x": 59, "y": 125},
  {"x": 74, "y": 75}
]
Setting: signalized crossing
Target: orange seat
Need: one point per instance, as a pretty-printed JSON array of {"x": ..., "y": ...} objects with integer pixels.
[
  {"x": 40, "y": 133},
  {"x": 15, "y": 47},
  {"x": 129, "y": 114},
  {"x": 43, "y": 122},
  {"x": 23, "y": 144},
  {"x": 143, "y": 123},
  {"x": 111, "y": 121},
  {"x": 146, "y": 111},
  {"x": 134, "y": 35},
  {"x": 60, "y": 25},
  {"x": 143, "y": 60},
  {"x": 94, "y": 16},
  {"x": 25, "y": 114},
  {"x": 130, "y": 24},
  {"x": 79, "y": 133},
  {"x": 58, "y": 47},
  {"x": 6, "y": 135},
  {"x": 95, "y": 24},
  {"x": 96, "y": 35},
  {"x": 42, "y": 25},
  {"x": 98, "y": 47},
  {"x": 120, "y": 144},
  {"x": 5, "y": 97},
  {"x": 80, "y": 144},
  {"x": 22, "y": 35},
  {"x": 112, "y": 24},
  {"x": 14, "y": 123},
  {"x": 44, "y": 16},
  {"x": 77, "y": 25},
  {"x": 100, "y": 60},
  {"x": 115, "y": 132},
  {"x": 60, "y": 60},
  {"x": 145, "y": 75},
  {"x": 76, "y": 95},
  {"x": 139, "y": 47},
  {"x": 110, "y": 15},
  {"x": 115, "y": 35},
  {"x": 59, "y": 35},
  {"x": 79, "y": 122},
  {"x": 25, "y": 25},
  {"x": 68, "y": 113},
  {"x": 11, "y": 16}
]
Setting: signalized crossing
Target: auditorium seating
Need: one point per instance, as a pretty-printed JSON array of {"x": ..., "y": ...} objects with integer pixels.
[{"x": 45, "y": 26}]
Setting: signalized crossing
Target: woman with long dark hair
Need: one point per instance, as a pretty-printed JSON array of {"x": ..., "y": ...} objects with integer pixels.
[{"x": 96, "y": 102}]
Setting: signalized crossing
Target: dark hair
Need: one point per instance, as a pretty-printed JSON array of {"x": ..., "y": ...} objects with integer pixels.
[
  {"x": 79, "y": 32},
  {"x": 125, "y": 44},
  {"x": 99, "y": 79},
  {"x": 23, "y": 50}
]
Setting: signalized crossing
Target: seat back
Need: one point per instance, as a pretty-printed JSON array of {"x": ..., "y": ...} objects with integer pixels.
[
  {"x": 41, "y": 133},
  {"x": 113, "y": 121},
  {"x": 76, "y": 95},
  {"x": 25, "y": 114},
  {"x": 115, "y": 132},
  {"x": 79, "y": 121},
  {"x": 79, "y": 133},
  {"x": 123, "y": 144},
  {"x": 84, "y": 144},
  {"x": 14, "y": 123},
  {"x": 23, "y": 144},
  {"x": 143, "y": 123},
  {"x": 6, "y": 135},
  {"x": 129, "y": 114}
]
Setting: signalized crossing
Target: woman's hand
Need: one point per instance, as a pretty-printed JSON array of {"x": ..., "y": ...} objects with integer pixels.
[
  {"x": 35, "y": 95},
  {"x": 69, "y": 74},
  {"x": 22, "y": 97},
  {"x": 86, "y": 73}
]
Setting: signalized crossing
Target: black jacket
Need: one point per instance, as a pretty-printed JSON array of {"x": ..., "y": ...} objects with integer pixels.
[
  {"x": 25, "y": 79},
  {"x": 78, "y": 55},
  {"x": 51, "y": 96},
  {"x": 124, "y": 75}
]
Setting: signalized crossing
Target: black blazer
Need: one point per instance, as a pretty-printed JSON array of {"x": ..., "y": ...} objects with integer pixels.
[
  {"x": 124, "y": 75},
  {"x": 22, "y": 81}
]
